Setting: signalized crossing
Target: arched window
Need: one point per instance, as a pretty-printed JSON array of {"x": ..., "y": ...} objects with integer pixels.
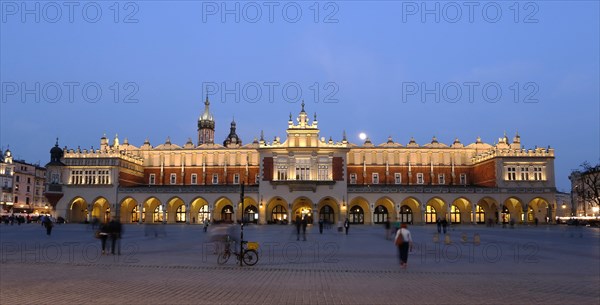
[
  {"x": 430, "y": 214},
  {"x": 278, "y": 214},
  {"x": 157, "y": 216},
  {"x": 251, "y": 214},
  {"x": 227, "y": 213},
  {"x": 530, "y": 214},
  {"x": 406, "y": 215},
  {"x": 203, "y": 214},
  {"x": 326, "y": 213},
  {"x": 357, "y": 215},
  {"x": 107, "y": 215},
  {"x": 479, "y": 215},
  {"x": 135, "y": 214},
  {"x": 381, "y": 214},
  {"x": 505, "y": 214},
  {"x": 454, "y": 214},
  {"x": 180, "y": 214}
]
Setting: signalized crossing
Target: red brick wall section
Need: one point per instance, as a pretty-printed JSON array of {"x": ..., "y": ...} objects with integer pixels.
[
  {"x": 403, "y": 170},
  {"x": 484, "y": 174},
  {"x": 126, "y": 179},
  {"x": 267, "y": 169},
  {"x": 338, "y": 169},
  {"x": 231, "y": 171}
]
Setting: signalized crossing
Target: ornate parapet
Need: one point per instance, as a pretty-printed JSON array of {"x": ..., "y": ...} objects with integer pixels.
[
  {"x": 495, "y": 152},
  {"x": 91, "y": 154}
]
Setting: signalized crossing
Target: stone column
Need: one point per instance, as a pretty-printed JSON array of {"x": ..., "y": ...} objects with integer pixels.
[
  {"x": 499, "y": 220},
  {"x": 187, "y": 214},
  {"x": 372, "y": 212},
  {"x": 88, "y": 215},
  {"x": 474, "y": 211},
  {"x": 140, "y": 212},
  {"x": 164, "y": 212}
]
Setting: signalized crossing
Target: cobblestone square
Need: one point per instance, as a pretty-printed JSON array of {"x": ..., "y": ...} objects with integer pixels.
[{"x": 526, "y": 265}]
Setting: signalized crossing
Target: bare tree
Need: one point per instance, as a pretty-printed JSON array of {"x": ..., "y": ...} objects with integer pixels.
[{"x": 588, "y": 184}]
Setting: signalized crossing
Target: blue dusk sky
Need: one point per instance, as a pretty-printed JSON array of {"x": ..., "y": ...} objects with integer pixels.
[{"x": 142, "y": 69}]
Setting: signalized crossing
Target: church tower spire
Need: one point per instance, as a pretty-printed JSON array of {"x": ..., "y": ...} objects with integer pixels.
[
  {"x": 232, "y": 140},
  {"x": 206, "y": 126}
]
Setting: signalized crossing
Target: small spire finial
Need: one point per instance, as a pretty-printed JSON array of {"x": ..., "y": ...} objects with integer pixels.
[
  {"x": 302, "y": 105},
  {"x": 56, "y": 142}
]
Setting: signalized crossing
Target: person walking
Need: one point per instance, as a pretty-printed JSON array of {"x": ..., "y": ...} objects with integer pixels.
[
  {"x": 444, "y": 225},
  {"x": 104, "y": 231},
  {"x": 347, "y": 225},
  {"x": 439, "y": 225},
  {"x": 115, "y": 231},
  {"x": 321, "y": 226},
  {"x": 404, "y": 242},
  {"x": 47, "y": 223},
  {"x": 388, "y": 226},
  {"x": 298, "y": 226},
  {"x": 304, "y": 224},
  {"x": 205, "y": 224}
]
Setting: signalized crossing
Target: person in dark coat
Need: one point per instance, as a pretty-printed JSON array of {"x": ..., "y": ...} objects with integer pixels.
[
  {"x": 115, "y": 230},
  {"x": 321, "y": 226},
  {"x": 444, "y": 225},
  {"x": 388, "y": 226},
  {"x": 347, "y": 225},
  {"x": 104, "y": 232},
  {"x": 47, "y": 223},
  {"x": 304, "y": 224},
  {"x": 439, "y": 225},
  {"x": 298, "y": 226}
]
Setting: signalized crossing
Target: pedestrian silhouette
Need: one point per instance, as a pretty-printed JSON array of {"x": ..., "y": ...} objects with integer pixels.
[
  {"x": 298, "y": 226},
  {"x": 320, "y": 226},
  {"x": 444, "y": 225},
  {"x": 347, "y": 225},
  {"x": 304, "y": 224}
]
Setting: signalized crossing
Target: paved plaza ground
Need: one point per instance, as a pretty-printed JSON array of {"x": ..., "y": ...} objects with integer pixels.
[{"x": 525, "y": 265}]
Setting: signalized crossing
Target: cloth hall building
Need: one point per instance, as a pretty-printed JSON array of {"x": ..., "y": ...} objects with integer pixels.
[{"x": 302, "y": 174}]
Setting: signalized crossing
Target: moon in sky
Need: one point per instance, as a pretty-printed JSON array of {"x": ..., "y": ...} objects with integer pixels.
[{"x": 362, "y": 135}]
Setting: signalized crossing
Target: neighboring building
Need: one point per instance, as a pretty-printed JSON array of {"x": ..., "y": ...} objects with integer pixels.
[
  {"x": 302, "y": 174},
  {"x": 7, "y": 170},
  {"x": 28, "y": 188},
  {"x": 585, "y": 191},
  {"x": 564, "y": 205}
]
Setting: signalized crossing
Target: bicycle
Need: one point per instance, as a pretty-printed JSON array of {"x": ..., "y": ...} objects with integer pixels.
[{"x": 249, "y": 254}]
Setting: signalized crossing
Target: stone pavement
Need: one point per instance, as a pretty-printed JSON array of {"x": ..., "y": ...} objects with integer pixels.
[{"x": 526, "y": 265}]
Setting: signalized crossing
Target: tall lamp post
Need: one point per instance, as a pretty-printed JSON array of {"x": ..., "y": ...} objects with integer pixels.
[{"x": 242, "y": 225}]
